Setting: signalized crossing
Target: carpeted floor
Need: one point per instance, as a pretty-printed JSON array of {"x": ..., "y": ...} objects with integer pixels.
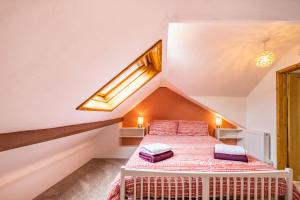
[{"x": 90, "y": 182}]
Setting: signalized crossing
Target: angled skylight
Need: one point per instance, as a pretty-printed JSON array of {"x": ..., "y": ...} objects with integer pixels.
[{"x": 127, "y": 82}]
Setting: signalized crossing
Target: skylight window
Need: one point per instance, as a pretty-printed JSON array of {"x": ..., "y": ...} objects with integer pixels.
[{"x": 127, "y": 82}]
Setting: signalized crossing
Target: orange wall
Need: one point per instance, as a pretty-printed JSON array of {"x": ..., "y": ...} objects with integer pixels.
[{"x": 164, "y": 103}]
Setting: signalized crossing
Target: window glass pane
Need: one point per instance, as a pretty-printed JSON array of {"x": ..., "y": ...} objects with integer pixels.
[
  {"x": 126, "y": 82},
  {"x": 118, "y": 79}
]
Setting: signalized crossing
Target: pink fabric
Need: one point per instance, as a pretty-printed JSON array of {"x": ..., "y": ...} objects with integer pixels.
[
  {"x": 156, "y": 158},
  {"x": 163, "y": 127},
  {"x": 191, "y": 153},
  {"x": 224, "y": 156},
  {"x": 192, "y": 128}
]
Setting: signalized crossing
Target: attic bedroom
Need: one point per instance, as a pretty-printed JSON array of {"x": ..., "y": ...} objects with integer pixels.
[{"x": 115, "y": 100}]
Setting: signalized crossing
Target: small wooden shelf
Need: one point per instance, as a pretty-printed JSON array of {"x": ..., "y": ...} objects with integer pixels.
[
  {"x": 132, "y": 132},
  {"x": 131, "y": 135},
  {"x": 229, "y": 135},
  {"x": 230, "y": 129}
]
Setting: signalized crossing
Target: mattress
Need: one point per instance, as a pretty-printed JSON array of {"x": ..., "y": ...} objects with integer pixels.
[{"x": 191, "y": 153}]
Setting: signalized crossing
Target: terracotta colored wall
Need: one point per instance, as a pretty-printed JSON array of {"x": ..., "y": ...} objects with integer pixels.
[{"x": 164, "y": 103}]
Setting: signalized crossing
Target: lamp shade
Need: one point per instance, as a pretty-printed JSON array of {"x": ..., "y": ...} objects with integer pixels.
[
  {"x": 140, "y": 121},
  {"x": 265, "y": 59},
  {"x": 218, "y": 121}
]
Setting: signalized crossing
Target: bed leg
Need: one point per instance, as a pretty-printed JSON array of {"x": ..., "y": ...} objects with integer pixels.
[
  {"x": 289, "y": 194},
  {"x": 205, "y": 188},
  {"x": 122, "y": 186}
]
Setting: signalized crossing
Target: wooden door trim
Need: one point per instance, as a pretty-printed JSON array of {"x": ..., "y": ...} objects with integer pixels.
[
  {"x": 281, "y": 114},
  {"x": 23, "y": 138}
]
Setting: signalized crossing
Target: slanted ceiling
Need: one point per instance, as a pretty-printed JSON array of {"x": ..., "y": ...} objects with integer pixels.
[
  {"x": 54, "y": 54},
  {"x": 213, "y": 58}
]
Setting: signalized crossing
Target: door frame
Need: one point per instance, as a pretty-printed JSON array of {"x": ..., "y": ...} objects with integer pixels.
[{"x": 282, "y": 114}]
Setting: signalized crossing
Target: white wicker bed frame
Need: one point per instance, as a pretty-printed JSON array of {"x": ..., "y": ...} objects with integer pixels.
[{"x": 205, "y": 177}]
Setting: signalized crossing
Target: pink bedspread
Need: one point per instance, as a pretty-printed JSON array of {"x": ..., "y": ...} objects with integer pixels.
[{"x": 191, "y": 153}]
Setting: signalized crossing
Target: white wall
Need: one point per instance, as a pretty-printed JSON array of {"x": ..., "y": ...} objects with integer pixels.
[
  {"x": 27, "y": 171},
  {"x": 261, "y": 102},
  {"x": 232, "y": 108},
  {"x": 42, "y": 165},
  {"x": 107, "y": 145}
]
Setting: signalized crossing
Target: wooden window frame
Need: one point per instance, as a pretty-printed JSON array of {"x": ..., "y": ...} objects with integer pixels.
[{"x": 141, "y": 71}]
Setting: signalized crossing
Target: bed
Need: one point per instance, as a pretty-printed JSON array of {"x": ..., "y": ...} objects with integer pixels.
[{"x": 193, "y": 173}]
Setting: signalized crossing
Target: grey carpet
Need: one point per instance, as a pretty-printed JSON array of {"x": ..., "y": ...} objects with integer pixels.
[{"x": 90, "y": 182}]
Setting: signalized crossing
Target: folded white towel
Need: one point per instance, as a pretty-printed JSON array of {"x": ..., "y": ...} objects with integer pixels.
[
  {"x": 230, "y": 149},
  {"x": 155, "y": 148}
]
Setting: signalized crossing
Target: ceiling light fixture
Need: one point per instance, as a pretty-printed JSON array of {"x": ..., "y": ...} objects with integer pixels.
[{"x": 265, "y": 59}]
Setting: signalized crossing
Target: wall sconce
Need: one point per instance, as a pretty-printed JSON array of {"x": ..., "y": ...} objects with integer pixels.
[
  {"x": 140, "y": 121},
  {"x": 218, "y": 121}
]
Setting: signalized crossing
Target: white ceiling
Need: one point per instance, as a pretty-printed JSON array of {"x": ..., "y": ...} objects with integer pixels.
[
  {"x": 217, "y": 58},
  {"x": 55, "y": 54}
]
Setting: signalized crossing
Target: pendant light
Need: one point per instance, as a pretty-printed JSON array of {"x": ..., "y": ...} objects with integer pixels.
[{"x": 265, "y": 58}]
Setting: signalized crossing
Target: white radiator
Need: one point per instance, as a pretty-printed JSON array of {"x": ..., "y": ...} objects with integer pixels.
[{"x": 258, "y": 144}]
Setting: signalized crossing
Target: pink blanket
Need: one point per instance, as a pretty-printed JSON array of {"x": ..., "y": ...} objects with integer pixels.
[{"x": 191, "y": 153}]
